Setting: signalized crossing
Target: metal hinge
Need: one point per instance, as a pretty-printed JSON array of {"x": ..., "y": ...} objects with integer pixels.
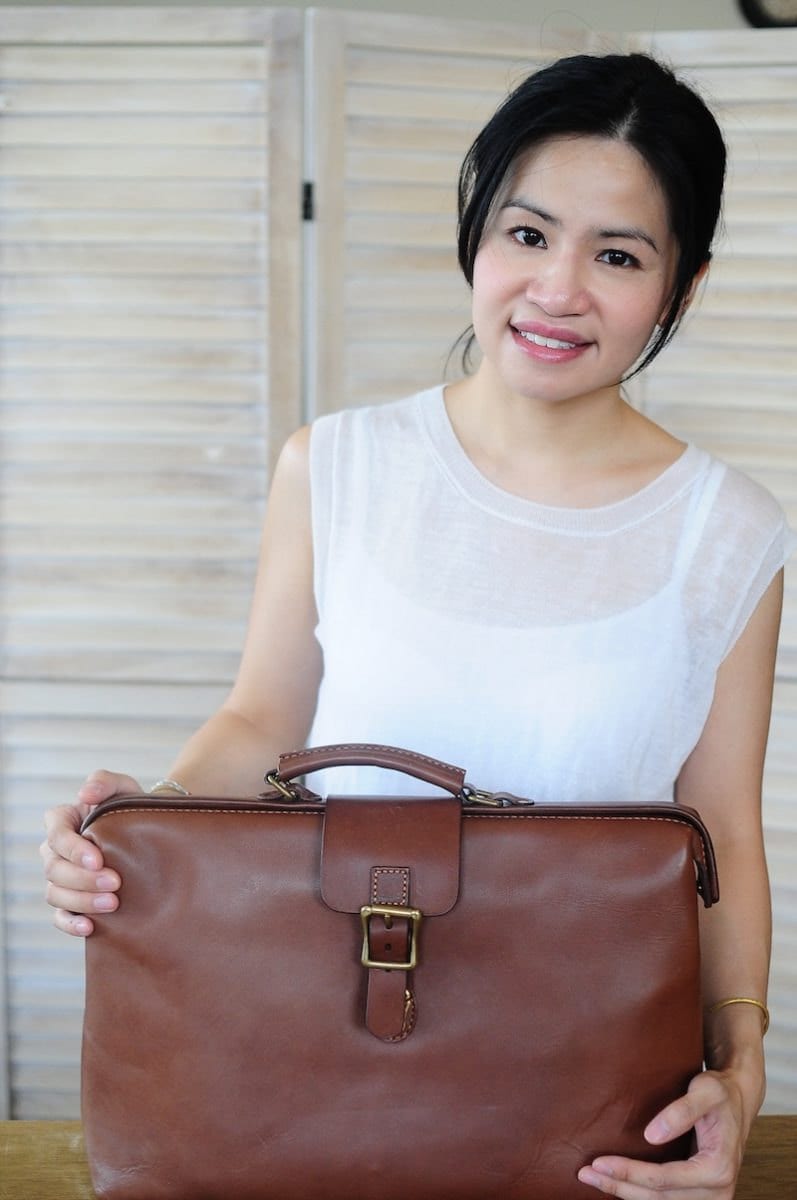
[{"x": 308, "y": 200}]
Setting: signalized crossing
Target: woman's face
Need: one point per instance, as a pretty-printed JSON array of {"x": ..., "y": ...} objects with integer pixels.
[{"x": 574, "y": 271}]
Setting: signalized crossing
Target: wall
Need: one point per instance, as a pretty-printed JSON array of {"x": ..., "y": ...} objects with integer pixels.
[{"x": 624, "y": 15}]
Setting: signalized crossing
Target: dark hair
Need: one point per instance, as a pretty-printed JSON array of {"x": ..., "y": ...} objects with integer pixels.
[{"x": 633, "y": 98}]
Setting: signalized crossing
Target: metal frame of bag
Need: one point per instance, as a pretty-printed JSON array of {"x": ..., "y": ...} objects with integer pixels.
[{"x": 458, "y": 997}]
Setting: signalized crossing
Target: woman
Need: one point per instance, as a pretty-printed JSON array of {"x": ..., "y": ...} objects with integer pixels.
[{"x": 564, "y": 596}]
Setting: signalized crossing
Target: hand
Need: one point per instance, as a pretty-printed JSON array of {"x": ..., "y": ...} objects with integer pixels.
[
  {"x": 713, "y": 1108},
  {"x": 78, "y": 882}
]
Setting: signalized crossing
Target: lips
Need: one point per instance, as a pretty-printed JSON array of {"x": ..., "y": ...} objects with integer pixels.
[
  {"x": 551, "y": 336},
  {"x": 547, "y": 344},
  {"x": 551, "y": 343}
]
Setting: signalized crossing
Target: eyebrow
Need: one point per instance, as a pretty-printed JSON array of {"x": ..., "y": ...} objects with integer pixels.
[{"x": 631, "y": 232}]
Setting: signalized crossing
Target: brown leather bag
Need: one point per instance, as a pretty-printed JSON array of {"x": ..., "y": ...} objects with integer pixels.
[{"x": 452, "y": 998}]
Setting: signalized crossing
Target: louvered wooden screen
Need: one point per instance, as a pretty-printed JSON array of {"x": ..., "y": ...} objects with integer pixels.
[
  {"x": 151, "y": 256},
  {"x": 150, "y": 234},
  {"x": 397, "y": 102}
]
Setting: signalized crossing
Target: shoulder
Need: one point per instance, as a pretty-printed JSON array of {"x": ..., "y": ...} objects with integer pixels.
[
  {"x": 380, "y": 423},
  {"x": 292, "y": 470},
  {"x": 747, "y": 509}
]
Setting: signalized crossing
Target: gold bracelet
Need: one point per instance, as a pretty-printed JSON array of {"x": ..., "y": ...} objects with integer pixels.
[
  {"x": 168, "y": 785},
  {"x": 741, "y": 1000}
]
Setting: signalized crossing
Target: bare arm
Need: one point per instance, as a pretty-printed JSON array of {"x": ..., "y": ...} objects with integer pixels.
[
  {"x": 722, "y": 780},
  {"x": 269, "y": 710}
]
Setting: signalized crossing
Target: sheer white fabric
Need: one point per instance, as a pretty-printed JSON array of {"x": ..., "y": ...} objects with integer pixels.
[{"x": 563, "y": 654}]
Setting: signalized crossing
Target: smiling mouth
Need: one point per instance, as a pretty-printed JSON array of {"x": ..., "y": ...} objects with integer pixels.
[{"x": 549, "y": 342}]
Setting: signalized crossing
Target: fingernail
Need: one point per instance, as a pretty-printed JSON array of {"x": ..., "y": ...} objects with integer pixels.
[
  {"x": 105, "y": 903},
  {"x": 105, "y": 882},
  {"x": 587, "y": 1175},
  {"x": 89, "y": 861},
  {"x": 656, "y": 1132},
  {"x": 81, "y": 926}
]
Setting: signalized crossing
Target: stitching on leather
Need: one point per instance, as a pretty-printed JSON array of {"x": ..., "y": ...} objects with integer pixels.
[
  {"x": 373, "y": 746},
  {"x": 227, "y": 812},
  {"x": 407, "y": 1024},
  {"x": 377, "y": 872},
  {"x": 472, "y": 816}
]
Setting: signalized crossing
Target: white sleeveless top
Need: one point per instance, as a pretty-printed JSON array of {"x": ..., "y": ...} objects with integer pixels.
[{"x": 562, "y": 654}]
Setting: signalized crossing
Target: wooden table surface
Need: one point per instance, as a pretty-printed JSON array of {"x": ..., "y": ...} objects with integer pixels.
[{"x": 45, "y": 1160}]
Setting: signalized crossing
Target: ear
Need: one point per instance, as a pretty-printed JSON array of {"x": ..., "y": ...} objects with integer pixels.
[{"x": 691, "y": 291}]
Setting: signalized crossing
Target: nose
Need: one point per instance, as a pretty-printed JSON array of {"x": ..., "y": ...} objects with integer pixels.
[{"x": 557, "y": 285}]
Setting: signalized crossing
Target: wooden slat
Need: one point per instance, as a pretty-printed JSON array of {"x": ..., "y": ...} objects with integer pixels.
[
  {"x": 140, "y": 129},
  {"x": 148, "y": 387},
  {"x": 736, "y": 85},
  {"x": 128, "y": 63},
  {"x": 162, "y": 228},
  {"x": 181, "y": 294},
  {"x": 697, "y": 51},
  {"x": 127, "y": 259},
  {"x": 41, "y": 194},
  {"x": 137, "y": 356},
  {"x": 36, "y": 96},
  {"x": 141, "y": 26},
  {"x": 144, "y": 162}
]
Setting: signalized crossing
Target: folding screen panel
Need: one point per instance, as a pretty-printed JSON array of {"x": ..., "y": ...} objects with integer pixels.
[
  {"x": 394, "y": 102},
  {"x": 150, "y": 323}
]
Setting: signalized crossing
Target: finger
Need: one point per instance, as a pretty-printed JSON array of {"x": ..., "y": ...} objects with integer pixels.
[
  {"x": 706, "y": 1092},
  {"x": 78, "y": 902},
  {"x": 72, "y": 923},
  {"x": 101, "y": 785},
  {"x": 63, "y": 879},
  {"x": 645, "y": 1181},
  {"x": 612, "y": 1186},
  {"x": 63, "y": 874},
  {"x": 75, "y": 888},
  {"x": 64, "y": 841},
  {"x": 634, "y": 1180}
]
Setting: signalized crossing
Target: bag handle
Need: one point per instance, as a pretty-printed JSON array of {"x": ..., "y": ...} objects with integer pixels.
[{"x": 364, "y": 754}]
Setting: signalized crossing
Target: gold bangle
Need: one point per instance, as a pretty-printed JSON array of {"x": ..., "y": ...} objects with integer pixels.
[
  {"x": 168, "y": 785},
  {"x": 741, "y": 1000}
]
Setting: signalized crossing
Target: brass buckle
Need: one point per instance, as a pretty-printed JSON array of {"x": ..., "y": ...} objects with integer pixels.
[{"x": 389, "y": 911}]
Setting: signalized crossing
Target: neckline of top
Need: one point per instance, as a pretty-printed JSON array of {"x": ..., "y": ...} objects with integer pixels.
[{"x": 606, "y": 518}]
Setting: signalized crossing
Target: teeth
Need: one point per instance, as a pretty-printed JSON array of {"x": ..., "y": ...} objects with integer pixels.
[{"x": 551, "y": 343}]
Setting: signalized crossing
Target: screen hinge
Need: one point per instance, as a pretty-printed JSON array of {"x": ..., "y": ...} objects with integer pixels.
[{"x": 308, "y": 201}]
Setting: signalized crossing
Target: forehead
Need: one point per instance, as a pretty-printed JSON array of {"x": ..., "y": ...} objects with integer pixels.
[{"x": 595, "y": 172}]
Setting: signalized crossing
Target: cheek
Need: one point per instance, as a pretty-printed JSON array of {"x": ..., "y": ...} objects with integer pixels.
[
  {"x": 492, "y": 278},
  {"x": 640, "y": 314}
]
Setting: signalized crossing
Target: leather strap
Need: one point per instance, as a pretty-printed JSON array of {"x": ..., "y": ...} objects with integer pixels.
[
  {"x": 390, "y": 1009},
  {"x": 395, "y": 864},
  {"x": 356, "y": 754}
]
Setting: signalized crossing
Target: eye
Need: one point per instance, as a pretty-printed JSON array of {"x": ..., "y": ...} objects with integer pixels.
[
  {"x": 618, "y": 258},
  {"x": 526, "y": 236}
]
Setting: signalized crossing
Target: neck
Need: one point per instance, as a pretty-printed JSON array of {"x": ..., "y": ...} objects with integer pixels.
[
  {"x": 581, "y": 450},
  {"x": 506, "y": 426}
]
